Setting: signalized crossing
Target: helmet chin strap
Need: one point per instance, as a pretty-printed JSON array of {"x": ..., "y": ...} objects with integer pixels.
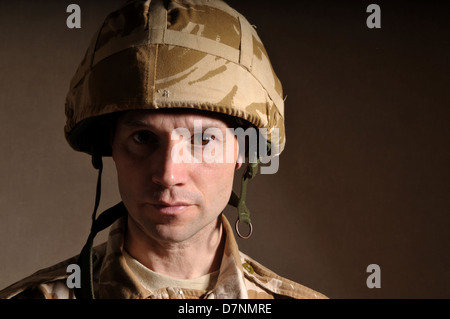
[
  {"x": 239, "y": 202},
  {"x": 104, "y": 220}
]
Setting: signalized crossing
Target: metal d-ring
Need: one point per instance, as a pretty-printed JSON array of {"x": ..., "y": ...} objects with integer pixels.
[{"x": 236, "y": 226}]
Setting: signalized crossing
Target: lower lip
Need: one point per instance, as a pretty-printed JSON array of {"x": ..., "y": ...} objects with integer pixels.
[{"x": 171, "y": 210}]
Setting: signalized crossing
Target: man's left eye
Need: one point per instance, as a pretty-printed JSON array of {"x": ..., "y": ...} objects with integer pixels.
[{"x": 202, "y": 139}]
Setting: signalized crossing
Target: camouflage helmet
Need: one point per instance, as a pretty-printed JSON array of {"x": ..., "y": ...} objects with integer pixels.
[{"x": 198, "y": 54}]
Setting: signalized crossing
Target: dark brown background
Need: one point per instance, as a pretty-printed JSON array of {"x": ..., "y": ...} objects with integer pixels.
[{"x": 364, "y": 178}]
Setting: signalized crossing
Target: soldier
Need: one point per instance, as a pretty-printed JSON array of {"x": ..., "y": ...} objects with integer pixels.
[{"x": 156, "y": 68}]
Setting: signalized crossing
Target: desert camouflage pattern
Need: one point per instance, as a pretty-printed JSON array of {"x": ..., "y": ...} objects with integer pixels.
[
  {"x": 240, "y": 277},
  {"x": 199, "y": 54}
]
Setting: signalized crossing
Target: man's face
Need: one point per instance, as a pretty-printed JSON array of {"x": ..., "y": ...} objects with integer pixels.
[{"x": 167, "y": 198}]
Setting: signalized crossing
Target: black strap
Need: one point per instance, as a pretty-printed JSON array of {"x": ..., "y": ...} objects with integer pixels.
[
  {"x": 85, "y": 259},
  {"x": 106, "y": 219}
]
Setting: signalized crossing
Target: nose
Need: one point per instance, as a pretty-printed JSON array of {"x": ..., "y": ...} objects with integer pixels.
[{"x": 167, "y": 170}]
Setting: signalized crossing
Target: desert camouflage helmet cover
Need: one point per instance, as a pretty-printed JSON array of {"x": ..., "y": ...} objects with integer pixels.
[{"x": 198, "y": 54}]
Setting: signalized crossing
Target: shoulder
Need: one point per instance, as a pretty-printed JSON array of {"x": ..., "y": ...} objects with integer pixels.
[
  {"x": 47, "y": 283},
  {"x": 263, "y": 283}
]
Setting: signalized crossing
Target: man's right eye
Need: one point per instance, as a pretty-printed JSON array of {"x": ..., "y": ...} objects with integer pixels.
[{"x": 143, "y": 137}]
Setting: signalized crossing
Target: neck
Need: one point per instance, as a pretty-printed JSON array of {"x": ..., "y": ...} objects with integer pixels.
[{"x": 197, "y": 256}]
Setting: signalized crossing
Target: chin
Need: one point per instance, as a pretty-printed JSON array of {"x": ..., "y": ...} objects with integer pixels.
[
  {"x": 173, "y": 234},
  {"x": 172, "y": 228}
]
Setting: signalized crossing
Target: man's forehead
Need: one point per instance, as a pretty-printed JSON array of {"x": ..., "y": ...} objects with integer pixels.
[{"x": 184, "y": 117}]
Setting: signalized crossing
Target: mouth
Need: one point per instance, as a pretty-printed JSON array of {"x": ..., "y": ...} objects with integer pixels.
[{"x": 171, "y": 208}]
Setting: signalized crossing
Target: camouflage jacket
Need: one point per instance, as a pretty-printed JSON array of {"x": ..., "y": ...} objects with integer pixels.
[{"x": 240, "y": 277}]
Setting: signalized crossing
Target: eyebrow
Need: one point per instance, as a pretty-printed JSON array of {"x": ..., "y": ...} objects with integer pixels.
[{"x": 136, "y": 123}]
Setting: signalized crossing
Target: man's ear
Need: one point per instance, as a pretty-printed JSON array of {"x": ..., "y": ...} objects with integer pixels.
[{"x": 240, "y": 161}]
